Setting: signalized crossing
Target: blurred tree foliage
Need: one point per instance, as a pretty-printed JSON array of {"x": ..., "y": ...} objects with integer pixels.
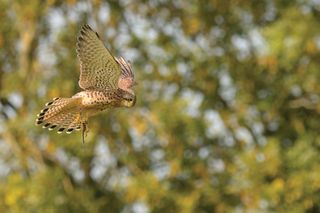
[{"x": 227, "y": 118}]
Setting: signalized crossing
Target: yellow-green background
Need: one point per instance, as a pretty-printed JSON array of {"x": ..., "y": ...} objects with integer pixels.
[{"x": 227, "y": 117}]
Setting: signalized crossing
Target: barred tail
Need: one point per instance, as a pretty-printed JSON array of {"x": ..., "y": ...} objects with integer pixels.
[{"x": 61, "y": 113}]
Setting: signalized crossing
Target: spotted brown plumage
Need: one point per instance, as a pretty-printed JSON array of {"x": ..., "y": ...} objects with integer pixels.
[{"x": 107, "y": 82}]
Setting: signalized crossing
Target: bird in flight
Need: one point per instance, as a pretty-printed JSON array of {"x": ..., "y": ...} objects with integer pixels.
[{"x": 106, "y": 81}]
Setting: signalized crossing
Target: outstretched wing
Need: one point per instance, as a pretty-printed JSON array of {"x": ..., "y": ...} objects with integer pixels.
[
  {"x": 126, "y": 69},
  {"x": 126, "y": 80},
  {"x": 98, "y": 68}
]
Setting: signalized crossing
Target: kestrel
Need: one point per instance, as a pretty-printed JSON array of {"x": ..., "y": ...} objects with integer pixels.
[{"x": 106, "y": 81}]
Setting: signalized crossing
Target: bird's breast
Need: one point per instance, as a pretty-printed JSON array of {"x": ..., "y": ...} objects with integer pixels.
[{"x": 98, "y": 100}]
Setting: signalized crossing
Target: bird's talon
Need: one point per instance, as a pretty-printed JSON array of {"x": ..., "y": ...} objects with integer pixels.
[{"x": 84, "y": 131}]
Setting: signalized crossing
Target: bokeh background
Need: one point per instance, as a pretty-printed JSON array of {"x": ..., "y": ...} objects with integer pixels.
[{"x": 227, "y": 117}]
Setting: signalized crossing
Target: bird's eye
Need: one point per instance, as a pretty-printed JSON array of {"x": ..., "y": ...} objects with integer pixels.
[{"x": 130, "y": 99}]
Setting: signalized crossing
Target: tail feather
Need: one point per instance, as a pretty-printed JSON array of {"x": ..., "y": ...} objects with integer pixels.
[{"x": 61, "y": 113}]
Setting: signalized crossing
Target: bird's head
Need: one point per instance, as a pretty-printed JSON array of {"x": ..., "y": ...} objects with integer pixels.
[{"x": 128, "y": 100}]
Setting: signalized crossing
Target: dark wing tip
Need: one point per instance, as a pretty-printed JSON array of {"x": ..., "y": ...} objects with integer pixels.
[
  {"x": 61, "y": 130},
  {"x": 49, "y": 103},
  {"x": 84, "y": 34},
  {"x": 98, "y": 35},
  {"x": 69, "y": 130},
  {"x": 52, "y": 127},
  {"x": 44, "y": 110},
  {"x": 83, "y": 31},
  {"x": 41, "y": 114},
  {"x": 86, "y": 26},
  {"x": 46, "y": 125}
]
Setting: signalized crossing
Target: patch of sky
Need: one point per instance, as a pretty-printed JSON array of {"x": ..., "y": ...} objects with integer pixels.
[
  {"x": 194, "y": 100},
  {"x": 215, "y": 125}
]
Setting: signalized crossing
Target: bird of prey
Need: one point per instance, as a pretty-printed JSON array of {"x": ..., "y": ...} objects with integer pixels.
[{"x": 106, "y": 81}]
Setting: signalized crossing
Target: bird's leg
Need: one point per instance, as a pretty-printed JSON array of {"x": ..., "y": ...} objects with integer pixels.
[
  {"x": 84, "y": 130},
  {"x": 84, "y": 122}
]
